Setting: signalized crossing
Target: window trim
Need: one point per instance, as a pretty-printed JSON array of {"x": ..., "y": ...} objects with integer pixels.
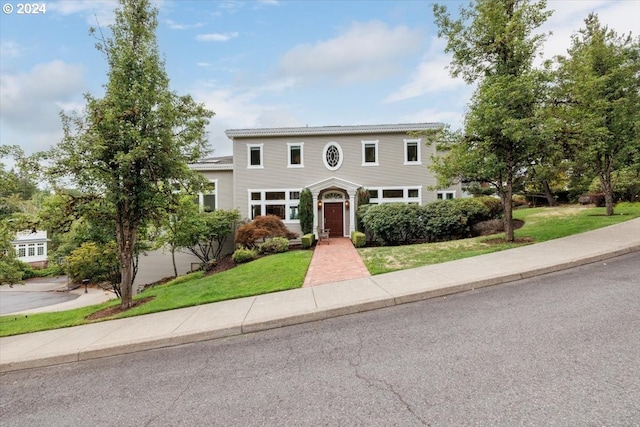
[
  {"x": 324, "y": 156},
  {"x": 405, "y": 195},
  {"x": 444, "y": 194},
  {"x": 364, "y": 158},
  {"x": 201, "y": 195},
  {"x": 261, "y": 147},
  {"x": 290, "y": 145},
  {"x": 288, "y": 202},
  {"x": 418, "y": 142}
]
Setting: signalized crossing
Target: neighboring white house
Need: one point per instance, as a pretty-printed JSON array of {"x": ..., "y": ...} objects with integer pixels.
[
  {"x": 270, "y": 167},
  {"x": 31, "y": 247}
]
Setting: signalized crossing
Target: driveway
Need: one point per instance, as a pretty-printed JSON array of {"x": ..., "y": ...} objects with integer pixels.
[{"x": 35, "y": 293}]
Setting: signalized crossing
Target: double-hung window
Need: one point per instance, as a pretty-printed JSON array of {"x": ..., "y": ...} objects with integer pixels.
[
  {"x": 369, "y": 153},
  {"x": 255, "y": 156},
  {"x": 412, "y": 151},
  {"x": 295, "y": 152}
]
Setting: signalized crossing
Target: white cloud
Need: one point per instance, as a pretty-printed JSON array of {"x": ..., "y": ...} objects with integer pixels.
[
  {"x": 10, "y": 49},
  {"x": 241, "y": 109},
  {"x": 31, "y": 103},
  {"x": 453, "y": 118},
  {"x": 216, "y": 37},
  {"x": 92, "y": 10},
  {"x": 568, "y": 17},
  {"x": 365, "y": 52},
  {"x": 178, "y": 26}
]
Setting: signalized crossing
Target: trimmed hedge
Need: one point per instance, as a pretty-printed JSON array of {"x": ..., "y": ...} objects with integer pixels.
[
  {"x": 307, "y": 240},
  {"x": 399, "y": 223},
  {"x": 358, "y": 239},
  {"x": 395, "y": 223}
]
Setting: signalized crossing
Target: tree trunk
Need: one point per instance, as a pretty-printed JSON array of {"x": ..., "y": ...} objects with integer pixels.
[
  {"x": 507, "y": 202},
  {"x": 547, "y": 193},
  {"x": 173, "y": 259},
  {"x": 126, "y": 236},
  {"x": 507, "y": 207},
  {"x": 607, "y": 189}
]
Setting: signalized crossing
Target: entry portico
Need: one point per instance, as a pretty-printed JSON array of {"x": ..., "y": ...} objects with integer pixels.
[{"x": 335, "y": 199}]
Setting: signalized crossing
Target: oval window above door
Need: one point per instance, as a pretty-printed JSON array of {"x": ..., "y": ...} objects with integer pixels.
[{"x": 332, "y": 156}]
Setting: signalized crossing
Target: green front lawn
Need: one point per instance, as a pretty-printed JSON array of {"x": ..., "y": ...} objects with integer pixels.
[
  {"x": 268, "y": 274},
  {"x": 540, "y": 224}
]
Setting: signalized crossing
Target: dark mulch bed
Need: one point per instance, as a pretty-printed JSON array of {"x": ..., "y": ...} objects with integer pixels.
[
  {"x": 112, "y": 311},
  {"x": 503, "y": 240}
]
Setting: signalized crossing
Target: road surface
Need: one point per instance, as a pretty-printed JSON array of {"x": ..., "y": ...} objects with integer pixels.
[{"x": 561, "y": 349}]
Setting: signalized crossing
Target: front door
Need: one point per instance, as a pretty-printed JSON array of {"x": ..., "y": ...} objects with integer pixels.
[{"x": 333, "y": 219}]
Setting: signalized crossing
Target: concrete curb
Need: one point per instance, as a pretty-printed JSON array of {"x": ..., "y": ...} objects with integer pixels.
[{"x": 382, "y": 299}]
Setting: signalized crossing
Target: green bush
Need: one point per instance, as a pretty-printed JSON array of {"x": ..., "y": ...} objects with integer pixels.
[
  {"x": 275, "y": 245},
  {"x": 472, "y": 209},
  {"x": 307, "y": 240},
  {"x": 444, "y": 221},
  {"x": 52, "y": 270},
  {"x": 395, "y": 223},
  {"x": 243, "y": 255},
  {"x": 358, "y": 238},
  {"x": 94, "y": 262},
  {"x": 493, "y": 204}
]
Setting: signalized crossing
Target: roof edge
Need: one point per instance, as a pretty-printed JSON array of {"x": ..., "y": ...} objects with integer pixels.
[{"x": 331, "y": 130}]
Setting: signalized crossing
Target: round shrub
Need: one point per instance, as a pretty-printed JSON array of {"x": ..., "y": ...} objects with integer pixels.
[
  {"x": 493, "y": 204},
  {"x": 472, "y": 209},
  {"x": 395, "y": 223},
  {"x": 275, "y": 245},
  {"x": 444, "y": 221},
  {"x": 243, "y": 255}
]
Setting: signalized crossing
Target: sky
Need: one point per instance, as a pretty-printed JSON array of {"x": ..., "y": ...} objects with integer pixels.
[{"x": 270, "y": 63}]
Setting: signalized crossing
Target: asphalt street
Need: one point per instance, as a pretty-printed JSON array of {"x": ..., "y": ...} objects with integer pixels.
[
  {"x": 559, "y": 349},
  {"x": 34, "y": 293}
]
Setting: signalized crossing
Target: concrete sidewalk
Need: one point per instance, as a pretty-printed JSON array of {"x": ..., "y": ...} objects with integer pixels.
[{"x": 308, "y": 304}]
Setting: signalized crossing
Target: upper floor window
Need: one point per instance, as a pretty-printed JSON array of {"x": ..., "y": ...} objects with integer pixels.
[
  {"x": 369, "y": 153},
  {"x": 296, "y": 159},
  {"x": 332, "y": 156},
  {"x": 255, "y": 155},
  {"x": 412, "y": 152}
]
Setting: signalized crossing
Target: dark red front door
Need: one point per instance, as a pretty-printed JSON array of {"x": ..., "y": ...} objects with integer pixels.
[{"x": 333, "y": 219}]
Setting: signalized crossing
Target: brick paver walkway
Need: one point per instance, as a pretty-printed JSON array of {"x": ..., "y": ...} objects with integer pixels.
[{"x": 335, "y": 262}]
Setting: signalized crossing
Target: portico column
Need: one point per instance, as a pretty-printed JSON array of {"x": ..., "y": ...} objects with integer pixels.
[
  {"x": 352, "y": 212},
  {"x": 315, "y": 214}
]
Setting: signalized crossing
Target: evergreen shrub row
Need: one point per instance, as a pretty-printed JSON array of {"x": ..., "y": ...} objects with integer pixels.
[{"x": 400, "y": 223}]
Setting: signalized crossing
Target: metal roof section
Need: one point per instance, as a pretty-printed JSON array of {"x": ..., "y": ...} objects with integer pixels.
[
  {"x": 332, "y": 130},
  {"x": 213, "y": 163}
]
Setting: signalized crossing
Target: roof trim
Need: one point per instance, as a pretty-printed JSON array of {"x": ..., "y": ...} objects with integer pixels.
[{"x": 332, "y": 130}]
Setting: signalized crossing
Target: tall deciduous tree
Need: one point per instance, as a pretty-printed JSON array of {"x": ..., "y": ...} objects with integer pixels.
[
  {"x": 132, "y": 144},
  {"x": 493, "y": 45},
  {"x": 599, "y": 101}
]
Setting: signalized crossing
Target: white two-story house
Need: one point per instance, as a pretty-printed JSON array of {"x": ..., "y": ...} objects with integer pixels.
[{"x": 270, "y": 167}]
